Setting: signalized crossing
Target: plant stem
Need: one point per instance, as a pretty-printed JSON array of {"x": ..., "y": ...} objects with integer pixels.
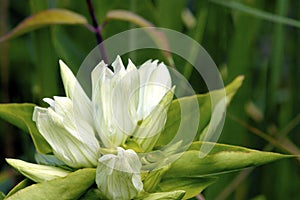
[{"x": 97, "y": 31}]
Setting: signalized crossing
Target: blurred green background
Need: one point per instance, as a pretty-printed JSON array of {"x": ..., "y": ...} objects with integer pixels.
[{"x": 255, "y": 38}]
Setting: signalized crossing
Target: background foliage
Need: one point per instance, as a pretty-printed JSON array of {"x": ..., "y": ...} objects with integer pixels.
[{"x": 255, "y": 38}]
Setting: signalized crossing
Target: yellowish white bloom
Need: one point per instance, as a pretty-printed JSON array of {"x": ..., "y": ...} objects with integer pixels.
[
  {"x": 125, "y": 102},
  {"x": 124, "y": 99}
]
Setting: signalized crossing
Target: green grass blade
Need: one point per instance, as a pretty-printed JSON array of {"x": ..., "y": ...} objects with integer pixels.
[{"x": 258, "y": 13}]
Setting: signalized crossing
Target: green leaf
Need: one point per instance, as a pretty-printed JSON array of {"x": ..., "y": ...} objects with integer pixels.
[
  {"x": 204, "y": 101},
  {"x": 35, "y": 172},
  {"x": 258, "y": 13},
  {"x": 2, "y": 196},
  {"x": 192, "y": 186},
  {"x": 45, "y": 18},
  {"x": 222, "y": 159},
  {"x": 92, "y": 194},
  {"x": 26, "y": 182},
  {"x": 174, "y": 195},
  {"x": 20, "y": 115},
  {"x": 69, "y": 187}
]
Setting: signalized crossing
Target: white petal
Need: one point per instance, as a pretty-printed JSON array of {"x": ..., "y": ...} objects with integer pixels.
[
  {"x": 64, "y": 140},
  {"x": 155, "y": 81},
  {"x": 115, "y": 100},
  {"x": 149, "y": 130},
  {"x": 73, "y": 89},
  {"x": 118, "y": 176},
  {"x": 68, "y": 78},
  {"x": 124, "y": 103},
  {"x": 118, "y": 65}
]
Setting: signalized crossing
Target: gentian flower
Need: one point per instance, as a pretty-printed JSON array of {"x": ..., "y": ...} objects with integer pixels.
[{"x": 126, "y": 104}]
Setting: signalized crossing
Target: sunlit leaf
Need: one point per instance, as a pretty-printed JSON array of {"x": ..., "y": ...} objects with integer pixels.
[
  {"x": 45, "y": 18},
  {"x": 223, "y": 158},
  {"x": 69, "y": 187},
  {"x": 20, "y": 115}
]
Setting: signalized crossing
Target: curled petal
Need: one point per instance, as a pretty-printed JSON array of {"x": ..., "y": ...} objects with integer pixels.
[
  {"x": 118, "y": 176},
  {"x": 70, "y": 143}
]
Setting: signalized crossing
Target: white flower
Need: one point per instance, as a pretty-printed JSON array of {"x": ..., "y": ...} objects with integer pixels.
[
  {"x": 118, "y": 176},
  {"x": 125, "y": 102},
  {"x": 130, "y": 102},
  {"x": 67, "y": 124}
]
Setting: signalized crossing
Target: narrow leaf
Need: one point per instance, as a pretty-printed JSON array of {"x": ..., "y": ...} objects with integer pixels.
[
  {"x": 258, "y": 13},
  {"x": 191, "y": 186},
  {"x": 69, "y": 187},
  {"x": 45, "y": 18},
  {"x": 20, "y": 115},
  {"x": 223, "y": 158}
]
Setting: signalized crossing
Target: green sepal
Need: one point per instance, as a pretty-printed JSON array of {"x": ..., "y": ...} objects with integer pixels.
[{"x": 153, "y": 178}]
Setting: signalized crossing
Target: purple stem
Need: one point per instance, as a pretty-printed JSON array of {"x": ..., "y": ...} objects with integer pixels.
[{"x": 97, "y": 31}]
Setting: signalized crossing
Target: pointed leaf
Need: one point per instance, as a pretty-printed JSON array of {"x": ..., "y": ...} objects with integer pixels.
[
  {"x": 20, "y": 115},
  {"x": 45, "y": 18},
  {"x": 191, "y": 186},
  {"x": 35, "y": 172},
  {"x": 204, "y": 101},
  {"x": 223, "y": 158},
  {"x": 69, "y": 187}
]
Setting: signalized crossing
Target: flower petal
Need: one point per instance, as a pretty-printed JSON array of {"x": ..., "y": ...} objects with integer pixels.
[
  {"x": 118, "y": 176},
  {"x": 76, "y": 149},
  {"x": 115, "y": 101},
  {"x": 149, "y": 130},
  {"x": 74, "y": 91},
  {"x": 155, "y": 81}
]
